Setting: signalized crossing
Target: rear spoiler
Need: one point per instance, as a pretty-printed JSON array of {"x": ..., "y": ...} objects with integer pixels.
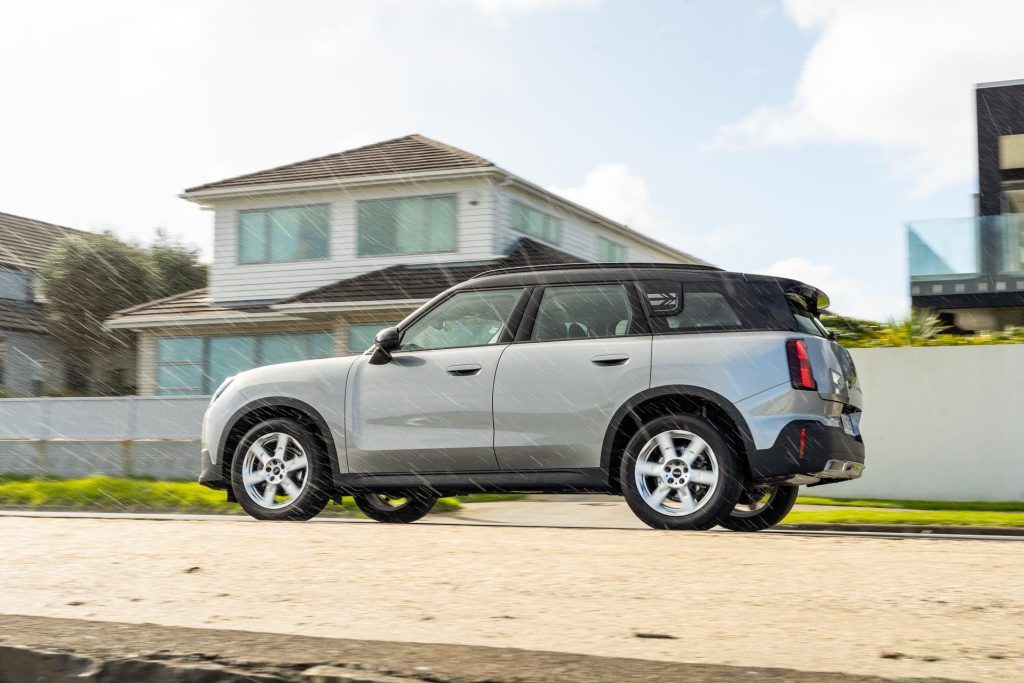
[{"x": 808, "y": 297}]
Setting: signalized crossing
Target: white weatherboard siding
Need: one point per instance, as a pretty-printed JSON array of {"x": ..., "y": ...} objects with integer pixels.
[
  {"x": 579, "y": 236},
  {"x": 231, "y": 281}
]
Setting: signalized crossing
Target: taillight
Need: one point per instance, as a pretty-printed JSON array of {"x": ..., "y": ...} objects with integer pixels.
[{"x": 800, "y": 373}]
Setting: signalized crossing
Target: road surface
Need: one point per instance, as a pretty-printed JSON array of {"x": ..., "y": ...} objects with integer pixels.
[{"x": 871, "y": 606}]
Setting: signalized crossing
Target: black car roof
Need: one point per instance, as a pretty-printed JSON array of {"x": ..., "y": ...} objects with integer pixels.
[{"x": 598, "y": 272}]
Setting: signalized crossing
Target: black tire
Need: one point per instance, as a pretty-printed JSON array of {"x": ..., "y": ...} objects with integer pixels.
[
  {"x": 716, "y": 502},
  {"x": 377, "y": 507},
  {"x": 315, "y": 482},
  {"x": 778, "y": 505}
]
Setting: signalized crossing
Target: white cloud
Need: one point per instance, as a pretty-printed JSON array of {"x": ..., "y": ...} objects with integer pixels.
[
  {"x": 612, "y": 190},
  {"x": 114, "y": 107},
  {"x": 848, "y": 296},
  {"x": 499, "y": 9},
  {"x": 895, "y": 74}
]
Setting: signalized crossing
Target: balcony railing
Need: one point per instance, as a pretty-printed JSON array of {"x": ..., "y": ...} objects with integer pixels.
[{"x": 966, "y": 248}]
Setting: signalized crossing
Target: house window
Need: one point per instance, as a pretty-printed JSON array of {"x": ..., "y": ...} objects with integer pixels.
[
  {"x": 195, "y": 366},
  {"x": 610, "y": 252},
  {"x": 407, "y": 225},
  {"x": 360, "y": 337},
  {"x": 530, "y": 221},
  {"x": 296, "y": 233}
]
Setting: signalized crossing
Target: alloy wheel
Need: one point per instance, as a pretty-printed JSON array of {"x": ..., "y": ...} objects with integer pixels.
[
  {"x": 275, "y": 470},
  {"x": 676, "y": 473}
]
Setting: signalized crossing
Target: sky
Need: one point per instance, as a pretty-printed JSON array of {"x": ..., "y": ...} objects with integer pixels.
[{"x": 792, "y": 138}]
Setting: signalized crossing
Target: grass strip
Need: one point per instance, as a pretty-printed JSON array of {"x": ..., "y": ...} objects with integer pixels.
[
  {"x": 920, "y": 517},
  {"x": 980, "y": 506},
  {"x": 123, "y": 494}
]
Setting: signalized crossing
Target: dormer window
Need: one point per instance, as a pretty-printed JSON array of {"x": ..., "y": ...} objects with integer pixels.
[
  {"x": 294, "y": 233},
  {"x": 407, "y": 225}
]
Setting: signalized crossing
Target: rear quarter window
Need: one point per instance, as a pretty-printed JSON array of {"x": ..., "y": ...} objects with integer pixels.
[{"x": 715, "y": 307}]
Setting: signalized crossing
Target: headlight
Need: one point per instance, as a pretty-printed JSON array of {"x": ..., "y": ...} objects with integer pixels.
[{"x": 221, "y": 388}]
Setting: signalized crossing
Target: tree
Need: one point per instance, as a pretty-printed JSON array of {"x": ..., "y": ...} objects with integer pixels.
[
  {"x": 176, "y": 267},
  {"x": 88, "y": 277}
]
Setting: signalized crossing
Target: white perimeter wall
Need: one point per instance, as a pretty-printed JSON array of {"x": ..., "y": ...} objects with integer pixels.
[{"x": 939, "y": 424}]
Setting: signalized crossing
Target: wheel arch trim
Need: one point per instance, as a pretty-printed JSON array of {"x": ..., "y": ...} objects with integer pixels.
[
  {"x": 683, "y": 391},
  {"x": 281, "y": 402}
]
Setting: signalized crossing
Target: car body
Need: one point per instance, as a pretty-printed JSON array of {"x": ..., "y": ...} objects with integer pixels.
[{"x": 542, "y": 379}]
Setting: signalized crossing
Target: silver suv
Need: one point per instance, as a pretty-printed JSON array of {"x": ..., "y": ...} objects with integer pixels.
[{"x": 703, "y": 397}]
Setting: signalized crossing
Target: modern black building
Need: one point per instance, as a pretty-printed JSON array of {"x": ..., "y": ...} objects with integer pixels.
[{"x": 971, "y": 270}]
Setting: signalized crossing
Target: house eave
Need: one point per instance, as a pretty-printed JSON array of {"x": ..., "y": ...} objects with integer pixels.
[
  {"x": 300, "y": 308},
  {"x": 239, "y": 191},
  {"x": 151, "y": 321}
]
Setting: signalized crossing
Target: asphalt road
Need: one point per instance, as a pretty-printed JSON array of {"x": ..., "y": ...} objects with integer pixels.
[{"x": 865, "y": 606}]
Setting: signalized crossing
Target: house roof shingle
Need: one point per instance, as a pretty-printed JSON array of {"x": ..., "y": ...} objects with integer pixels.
[
  {"x": 403, "y": 282},
  {"x": 409, "y": 154},
  {"x": 25, "y": 242},
  {"x": 427, "y": 281},
  {"x": 194, "y": 302}
]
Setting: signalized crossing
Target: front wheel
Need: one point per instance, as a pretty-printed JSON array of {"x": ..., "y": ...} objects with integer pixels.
[
  {"x": 280, "y": 472},
  {"x": 760, "y": 508},
  {"x": 678, "y": 472},
  {"x": 395, "y": 509}
]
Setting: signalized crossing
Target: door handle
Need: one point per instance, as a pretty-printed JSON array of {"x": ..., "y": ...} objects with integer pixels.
[
  {"x": 610, "y": 359},
  {"x": 463, "y": 370}
]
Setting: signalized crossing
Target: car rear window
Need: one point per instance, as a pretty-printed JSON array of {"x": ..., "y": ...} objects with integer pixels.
[{"x": 806, "y": 321}]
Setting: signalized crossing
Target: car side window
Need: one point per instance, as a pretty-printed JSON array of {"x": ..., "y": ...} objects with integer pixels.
[
  {"x": 465, "y": 319},
  {"x": 714, "y": 307},
  {"x": 582, "y": 312}
]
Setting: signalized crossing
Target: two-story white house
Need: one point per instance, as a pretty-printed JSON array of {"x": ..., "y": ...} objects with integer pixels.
[{"x": 313, "y": 258}]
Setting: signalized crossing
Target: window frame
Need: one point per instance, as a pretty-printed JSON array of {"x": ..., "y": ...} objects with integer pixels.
[
  {"x": 267, "y": 230},
  {"x": 558, "y": 221},
  {"x": 455, "y": 245},
  {"x": 208, "y": 385},
  {"x": 507, "y": 336},
  {"x": 639, "y": 324}
]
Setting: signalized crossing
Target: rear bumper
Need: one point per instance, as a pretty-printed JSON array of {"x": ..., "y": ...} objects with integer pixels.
[{"x": 808, "y": 453}]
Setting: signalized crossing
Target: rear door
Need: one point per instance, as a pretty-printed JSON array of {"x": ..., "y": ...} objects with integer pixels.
[{"x": 581, "y": 352}]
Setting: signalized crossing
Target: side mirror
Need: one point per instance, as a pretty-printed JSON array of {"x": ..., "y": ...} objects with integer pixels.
[
  {"x": 385, "y": 342},
  {"x": 387, "y": 339}
]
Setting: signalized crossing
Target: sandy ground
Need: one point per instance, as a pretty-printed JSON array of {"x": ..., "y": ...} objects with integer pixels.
[{"x": 924, "y": 607}]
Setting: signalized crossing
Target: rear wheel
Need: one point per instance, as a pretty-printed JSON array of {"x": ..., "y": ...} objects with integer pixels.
[
  {"x": 280, "y": 471},
  {"x": 395, "y": 509},
  {"x": 678, "y": 472},
  {"x": 760, "y": 508}
]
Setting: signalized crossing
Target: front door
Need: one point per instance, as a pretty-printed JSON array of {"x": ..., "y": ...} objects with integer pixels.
[
  {"x": 556, "y": 392},
  {"x": 429, "y": 409}
]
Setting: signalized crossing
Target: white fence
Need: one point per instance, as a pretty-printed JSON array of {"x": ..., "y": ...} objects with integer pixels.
[
  {"x": 70, "y": 437},
  {"x": 943, "y": 423}
]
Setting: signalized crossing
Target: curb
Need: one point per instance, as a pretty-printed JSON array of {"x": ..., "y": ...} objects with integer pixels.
[
  {"x": 19, "y": 663},
  {"x": 935, "y": 529}
]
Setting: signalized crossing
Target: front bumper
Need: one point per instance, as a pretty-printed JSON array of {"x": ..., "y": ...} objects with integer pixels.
[
  {"x": 211, "y": 475},
  {"x": 809, "y": 453}
]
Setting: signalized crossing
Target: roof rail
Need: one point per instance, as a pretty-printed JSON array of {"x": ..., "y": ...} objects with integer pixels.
[{"x": 596, "y": 266}]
